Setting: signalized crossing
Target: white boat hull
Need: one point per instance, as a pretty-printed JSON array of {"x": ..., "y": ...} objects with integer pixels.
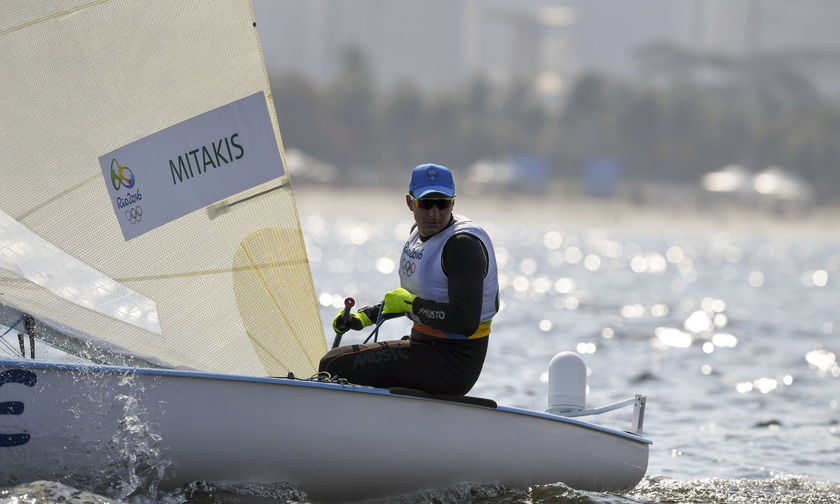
[{"x": 97, "y": 423}]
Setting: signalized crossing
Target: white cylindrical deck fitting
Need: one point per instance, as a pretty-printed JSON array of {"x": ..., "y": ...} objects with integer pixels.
[{"x": 566, "y": 383}]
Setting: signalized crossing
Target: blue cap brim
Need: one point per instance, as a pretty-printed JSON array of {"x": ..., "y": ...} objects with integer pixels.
[{"x": 446, "y": 191}]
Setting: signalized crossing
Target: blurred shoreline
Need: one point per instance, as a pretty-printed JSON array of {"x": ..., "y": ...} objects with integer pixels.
[{"x": 581, "y": 211}]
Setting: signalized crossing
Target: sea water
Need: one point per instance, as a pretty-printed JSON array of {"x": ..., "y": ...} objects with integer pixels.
[{"x": 728, "y": 321}]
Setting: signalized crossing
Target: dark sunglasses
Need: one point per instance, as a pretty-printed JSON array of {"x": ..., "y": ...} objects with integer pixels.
[{"x": 428, "y": 204}]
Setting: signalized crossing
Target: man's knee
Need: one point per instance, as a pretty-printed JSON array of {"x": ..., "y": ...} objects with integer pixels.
[{"x": 330, "y": 357}]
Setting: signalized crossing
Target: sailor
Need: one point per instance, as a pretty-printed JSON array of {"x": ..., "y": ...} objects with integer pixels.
[{"x": 448, "y": 287}]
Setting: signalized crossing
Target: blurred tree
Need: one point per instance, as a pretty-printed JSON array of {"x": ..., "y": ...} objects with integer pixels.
[
  {"x": 353, "y": 101},
  {"x": 590, "y": 120},
  {"x": 477, "y": 125},
  {"x": 402, "y": 132},
  {"x": 440, "y": 129},
  {"x": 302, "y": 114},
  {"x": 642, "y": 125},
  {"x": 693, "y": 113},
  {"x": 525, "y": 120}
]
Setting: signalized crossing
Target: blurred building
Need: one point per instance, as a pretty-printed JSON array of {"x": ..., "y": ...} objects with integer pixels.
[{"x": 442, "y": 43}]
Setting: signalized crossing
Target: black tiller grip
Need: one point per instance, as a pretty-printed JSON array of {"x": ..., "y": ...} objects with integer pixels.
[{"x": 345, "y": 317}]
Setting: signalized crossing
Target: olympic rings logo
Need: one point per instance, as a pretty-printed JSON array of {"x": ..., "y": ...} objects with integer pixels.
[
  {"x": 134, "y": 215},
  {"x": 408, "y": 268},
  {"x": 121, "y": 176}
]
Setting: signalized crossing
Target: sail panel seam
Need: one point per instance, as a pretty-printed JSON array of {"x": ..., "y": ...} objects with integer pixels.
[{"x": 52, "y": 16}]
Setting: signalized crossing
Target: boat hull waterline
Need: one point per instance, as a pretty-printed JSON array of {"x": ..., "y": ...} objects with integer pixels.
[{"x": 335, "y": 442}]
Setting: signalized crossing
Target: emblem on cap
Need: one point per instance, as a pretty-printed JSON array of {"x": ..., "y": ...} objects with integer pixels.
[{"x": 432, "y": 173}]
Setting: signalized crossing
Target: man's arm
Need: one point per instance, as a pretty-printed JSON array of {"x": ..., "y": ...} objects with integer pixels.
[{"x": 465, "y": 265}]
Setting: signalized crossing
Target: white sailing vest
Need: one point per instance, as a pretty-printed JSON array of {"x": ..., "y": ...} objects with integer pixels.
[{"x": 421, "y": 271}]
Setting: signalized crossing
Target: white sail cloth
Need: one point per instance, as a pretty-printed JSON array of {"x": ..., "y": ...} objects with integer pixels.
[{"x": 229, "y": 285}]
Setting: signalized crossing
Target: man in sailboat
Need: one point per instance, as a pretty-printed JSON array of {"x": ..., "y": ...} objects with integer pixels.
[{"x": 448, "y": 287}]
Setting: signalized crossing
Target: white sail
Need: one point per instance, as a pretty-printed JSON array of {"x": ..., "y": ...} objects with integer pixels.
[{"x": 225, "y": 288}]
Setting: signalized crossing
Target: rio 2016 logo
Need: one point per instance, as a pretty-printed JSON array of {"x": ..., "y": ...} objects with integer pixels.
[{"x": 121, "y": 176}]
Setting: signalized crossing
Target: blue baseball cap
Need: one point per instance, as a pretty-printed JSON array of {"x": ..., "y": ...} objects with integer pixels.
[{"x": 431, "y": 178}]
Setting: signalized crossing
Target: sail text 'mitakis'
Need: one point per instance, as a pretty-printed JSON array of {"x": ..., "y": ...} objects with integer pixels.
[{"x": 196, "y": 161}]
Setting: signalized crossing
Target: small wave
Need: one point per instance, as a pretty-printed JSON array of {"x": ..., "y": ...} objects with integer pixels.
[
  {"x": 38, "y": 492},
  {"x": 783, "y": 489},
  {"x": 220, "y": 492},
  {"x": 465, "y": 493},
  {"x": 556, "y": 493},
  {"x": 787, "y": 489}
]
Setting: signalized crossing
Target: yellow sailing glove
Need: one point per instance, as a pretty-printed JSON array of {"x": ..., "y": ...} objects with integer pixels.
[
  {"x": 357, "y": 322},
  {"x": 399, "y": 301}
]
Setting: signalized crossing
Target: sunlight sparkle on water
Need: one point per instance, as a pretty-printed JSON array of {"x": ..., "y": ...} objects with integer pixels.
[
  {"x": 502, "y": 257},
  {"x": 357, "y": 235},
  {"x": 331, "y": 300},
  {"x": 528, "y": 266},
  {"x": 565, "y": 285},
  {"x": 756, "y": 279},
  {"x": 638, "y": 264},
  {"x": 823, "y": 361},
  {"x": 820, "y": 278},
  {"x": 764, "y": 385},
  {"x": 552, "y": 240},
  {"x": 611, "y": 248},
  {"x": 744, "y": 387},
  {"x": 724, "y": 340},
  {"x": 586, "y": 347},
  {"x": 674, "y": 254},
  {"x": 659, "y": 310},
  {"x": 520, "y": 283},
  {"x": 686, "y": 267},
  {"x": 656, "y": 263},
  {"x": 653, "y": 263},
  {"x": 712, "y": 304},
  {"x": 314, "y": 254},
  {"x": 671, "y": 337},
  {"x": 573, "y": 255},
  {"x": 633, "y": 311},
  {"x": 542, "y": 285},
  {"x": 817, "y": 278},
  {"x": 385, "y": 265},
  {"x": 698, "y": 321}
]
